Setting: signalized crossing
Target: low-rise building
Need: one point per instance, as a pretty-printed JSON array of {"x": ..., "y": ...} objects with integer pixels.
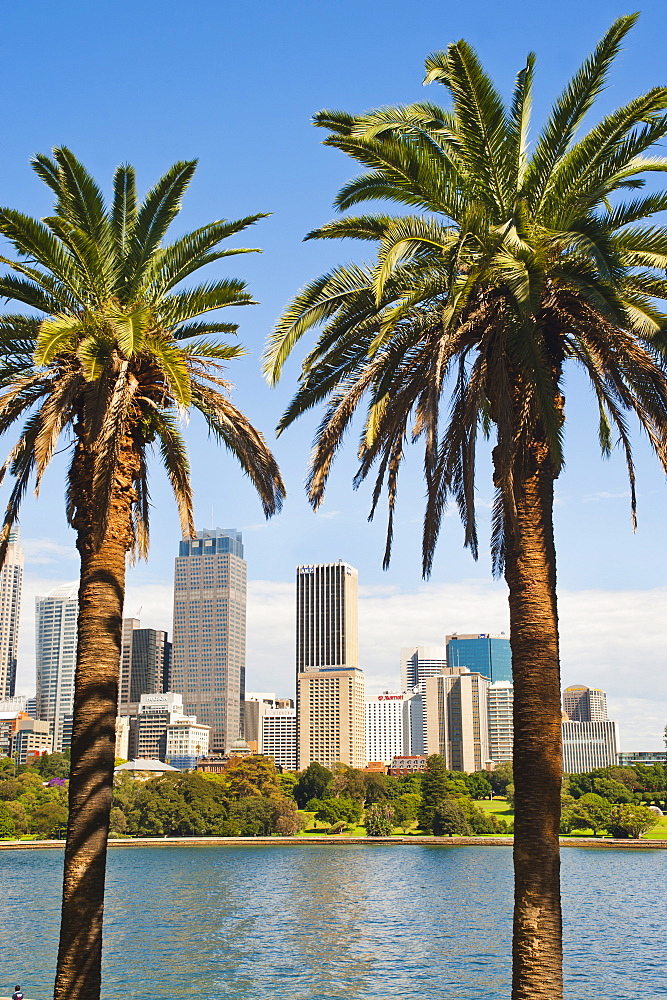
[
  {"x": 185, "y": 743},
  {"x": 630, "y": 757},
  {"x": 278, "y": 737},
  {"x": 400, "y": 766},
  {"x": 31, "y": 738}
]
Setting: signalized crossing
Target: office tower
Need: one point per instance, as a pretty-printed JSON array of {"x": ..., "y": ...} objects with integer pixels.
[
  {"x": 583, "y": 704},
  {"x": 393, "y": 726},
  {"x": 500, "y": 701},
  {"x": 156, "y": 713},
  {"x": 11, "y": 713},
  {"x": 457, "y": 718},
  {"x": 208, "y": 655},
  {"x": 55, "y": 639},
  {"x": 11, "y": 580},
  {"x": 278, "y": 736},
  {"x": 331, "y": 717},
  {"x": 489, "y": 655},
  {"x": 144, "y": 659},
  {"x": 420, "y": 662},
  {"x": 587, "y": 745},
  {"x": 327, "y": 628},
  {"x": 327, "y": 639}
]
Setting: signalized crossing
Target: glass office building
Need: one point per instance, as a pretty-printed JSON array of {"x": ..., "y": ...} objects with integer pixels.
[{"x": 489, "y": 655}]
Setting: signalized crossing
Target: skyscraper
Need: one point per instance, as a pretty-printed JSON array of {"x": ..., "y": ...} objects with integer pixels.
[
  {"x": 330, "y": 707},
  {"x": 55, "y": 636},
  {"x": 583, "y": 704},
  {"x": 11, "y": 580},
  {"x": 144, "y": 664},
  {"x": 500, "y": 699},
  {"x": 489, "y": 654},
  {"x": 208, "y": 655},
  {"x": 457, "y": 725},
  {"x": 327, "y": 625},
  {"x": 420, "y": 662}
]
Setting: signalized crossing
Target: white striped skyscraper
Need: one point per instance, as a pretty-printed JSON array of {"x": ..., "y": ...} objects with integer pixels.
[
  {"x": 11, "y": 581},
  {"x": 56, "y": 617}
]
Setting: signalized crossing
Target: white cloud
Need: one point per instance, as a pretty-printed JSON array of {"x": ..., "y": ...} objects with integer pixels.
[{"x": 45, "y": 552}]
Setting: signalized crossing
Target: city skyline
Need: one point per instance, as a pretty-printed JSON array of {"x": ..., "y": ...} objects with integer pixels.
[{"x": 595, "y": 648}]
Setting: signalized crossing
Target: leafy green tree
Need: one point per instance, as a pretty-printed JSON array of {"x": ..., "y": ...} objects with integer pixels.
[
  {"x": 435, "y": 790},
  {"x": 406, "y": 809},
  {"x": 110, "y": 355},
  {"x": 377, "y": 786},
  {"x": 379, "y": 820},
  {"x": 501, "y": 776},
  {"x": 53, "y": 765},
  {"x": 117, "y": 822},
  {"x": 478, "y": 785},
  {"x": 631, "y": 820},
  {"x": 337, "y": 810},
  {"x": 253, "y": 776},
  {"x": 520, "y": 262},
  {"x": 287, "y": 820},
  {"x": 7, "y": 825},
  {"x": 286, "y": 782},
  {"x": 314, "y": 783},
  {"x": 594, "y": 812},
  {"x": 48, "y": 819},
  {"x": 19, "y": 814},
  {"x": 449, "y": 819},
  {"x": 350, "y": 782},
  {"x": 255, "y": 815}
]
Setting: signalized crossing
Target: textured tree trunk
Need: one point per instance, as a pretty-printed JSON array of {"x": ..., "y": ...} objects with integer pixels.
[
  {"x": 530, "y": 572},
  {"x": 101, "y": 594}
]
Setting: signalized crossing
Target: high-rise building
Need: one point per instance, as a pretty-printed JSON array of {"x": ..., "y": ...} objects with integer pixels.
[
  {"x": 500, "y": 701},
  {"x": 55, "y": 639},
  {"x": 584, "y": 704},
  {"x": 31, "y": 738},
  {"x": 457, "y": 718},
  {"x": 185, "y": 742},
  {"x": 327, "y": 640},
  {"x": 208, "y": 655},
  {"x": 11, "y": 581},
  {"x": 420, "y": 662},
  {"x": 588, "y": 745},
  {"x": 278, "y": 736},
  {"x": 156, "y": 713},
  {"x": 393, "y": 726},
  {"x": 331, "y": 717},
  {"x": 144, "y": 664},
  {"x": 327, "y": 627},
  {"x": 489, "y": 655}
]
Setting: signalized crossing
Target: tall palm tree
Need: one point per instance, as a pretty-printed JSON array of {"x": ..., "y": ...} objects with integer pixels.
[
  {"x": 521, "y": 261},
  {"x": 112, "y": 357}
]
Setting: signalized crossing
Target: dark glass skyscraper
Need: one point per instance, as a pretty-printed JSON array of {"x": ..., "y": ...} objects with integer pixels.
[{"x": 488, "y": 654}]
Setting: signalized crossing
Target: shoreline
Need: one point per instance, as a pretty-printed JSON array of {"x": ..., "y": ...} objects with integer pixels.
[{"x": 325, "y": 840}]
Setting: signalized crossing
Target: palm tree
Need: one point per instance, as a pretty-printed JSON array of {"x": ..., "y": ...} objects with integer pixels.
[
  {"x": 520, "y": 262},
  {"x": 112, "y": 357}
]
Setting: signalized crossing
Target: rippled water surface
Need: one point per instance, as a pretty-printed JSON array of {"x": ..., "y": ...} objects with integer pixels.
[{"x": 321, "y": 923}]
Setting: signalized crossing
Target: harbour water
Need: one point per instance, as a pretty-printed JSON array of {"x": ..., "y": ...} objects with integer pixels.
[{"x": 318, "y": 922}]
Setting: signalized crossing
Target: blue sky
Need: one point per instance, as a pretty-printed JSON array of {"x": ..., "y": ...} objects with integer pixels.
[{"x": 236, "y": 85}]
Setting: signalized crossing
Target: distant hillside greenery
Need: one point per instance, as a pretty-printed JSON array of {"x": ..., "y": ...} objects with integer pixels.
[{"x": 253, "y": 799}]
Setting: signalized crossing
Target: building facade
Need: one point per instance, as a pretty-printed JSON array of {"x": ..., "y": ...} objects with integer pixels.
[
  {"x": 185, "y": 742},
  {"x": 500, "y": 702},
  {"x": 327, "y": 642},
  {"x": 278, "y": 737},
  {"x": 56, "y": 617},
  {"x": 457, "y": 718},
  {"x": 156, "y": 713},
  {"x": 588, "y": 745},
  {"x": 393, "y": 726},
  {"x": 488, "y": 654},
  {"x": 144, "y": 664},
  {"x": 584, "y": 704},
  {"x": 327, "y": 625},
  {"x": 11, "y": 583},
  {"x": 331, "y": 717},
  {"x": 31, "y": 738},
  {"x": 209, "y": 641}
]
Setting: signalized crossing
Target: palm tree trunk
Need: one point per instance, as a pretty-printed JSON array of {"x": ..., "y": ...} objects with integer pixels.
[
  {"x": 101, "y": 596},
  {"x": 101, "y": 593},
  {"x": 530, "y": 572}
]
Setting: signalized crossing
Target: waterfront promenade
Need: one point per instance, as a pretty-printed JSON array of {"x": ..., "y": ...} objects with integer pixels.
[{"x": 324, "y": 840}]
